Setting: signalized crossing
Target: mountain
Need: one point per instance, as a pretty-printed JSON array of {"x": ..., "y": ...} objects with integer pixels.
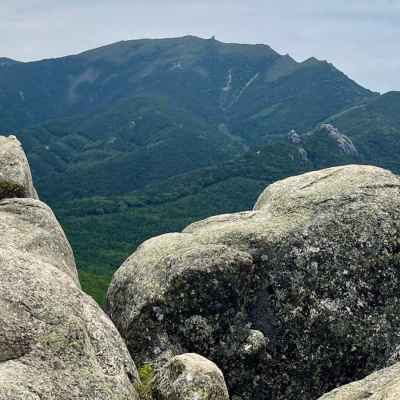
[
  {"x": 111, "y": 120},
  {"x": 142, "y": 137},
  {"x": 206, "y": 76}
]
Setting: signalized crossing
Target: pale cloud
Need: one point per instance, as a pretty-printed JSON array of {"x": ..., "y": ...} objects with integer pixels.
[{"x": 359, "y": 36}]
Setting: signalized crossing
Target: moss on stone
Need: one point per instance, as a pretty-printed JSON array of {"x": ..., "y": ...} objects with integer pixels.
[
  {"x": 10, "y": 190},
  {"x": 145, "y": 387}
]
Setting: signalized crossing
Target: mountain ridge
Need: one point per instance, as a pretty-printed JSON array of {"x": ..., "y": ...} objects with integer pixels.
[
  {"x": 218, "y": 98},
  {"x": 190, "y": 48},
  {"x": 141, "y": 137}
]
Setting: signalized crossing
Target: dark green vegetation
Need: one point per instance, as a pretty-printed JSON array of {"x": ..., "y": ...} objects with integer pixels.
[
  {"x": 10, "y": 189},
  {"x": 145, "y": 388},
  {"x": 143, "y": 137},
  {"x": 96, "y": 285}
]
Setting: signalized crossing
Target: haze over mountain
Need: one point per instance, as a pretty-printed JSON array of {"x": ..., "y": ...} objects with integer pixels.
[{"x": 166, "y": 131}]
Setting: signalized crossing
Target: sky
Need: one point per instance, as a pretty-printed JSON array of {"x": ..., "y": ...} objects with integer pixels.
[{"x": 360, "y": 37}]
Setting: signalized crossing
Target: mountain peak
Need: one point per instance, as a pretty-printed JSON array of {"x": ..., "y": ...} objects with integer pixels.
[
  {"x": 189, "y": 45},
  {"x": 313, "y": 61}
]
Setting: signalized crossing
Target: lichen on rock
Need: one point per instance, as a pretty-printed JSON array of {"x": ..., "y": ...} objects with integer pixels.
[
  {"x": 190, "y": 377},
  {"x": 381, "y": 385},
  {"x": 292, "y": 299}
]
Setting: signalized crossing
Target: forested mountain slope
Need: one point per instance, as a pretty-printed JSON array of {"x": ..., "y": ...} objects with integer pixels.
[{"x": 111, "y": 120}]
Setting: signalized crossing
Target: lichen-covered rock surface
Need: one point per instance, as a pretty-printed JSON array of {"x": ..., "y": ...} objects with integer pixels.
[
  {"x": 381, "y": 385},
  {"x": 297, "y": 297},
  {"x": 15, "y": 174},
  {"x": 30, "y": 226},
  {"x": 188, "y": 377},
  {"x": 55, "y": 342}
]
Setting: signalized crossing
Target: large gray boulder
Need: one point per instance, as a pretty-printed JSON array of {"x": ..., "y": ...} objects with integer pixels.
[
  {"x": 30, "y": 226},
  {"x": 292, "y": 299},
  {"x": 55, "y": 341},
  {"x": 190, "y": 377},
  {"x": 381, "y": 385},
  {"x": 15, "y": 174}
]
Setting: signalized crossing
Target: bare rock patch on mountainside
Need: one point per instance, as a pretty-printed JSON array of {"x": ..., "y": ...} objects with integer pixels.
[{"x": 290, "y": 300}]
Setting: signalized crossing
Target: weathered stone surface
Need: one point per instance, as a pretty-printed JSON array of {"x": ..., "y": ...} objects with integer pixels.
[
  {"x": 55, "y": 342},
  {"x": 292, "y": 299},
  {"x": 15, "y": 174},
  {"x": 190, "y": 377},
  {"x": 381, "y": 385},
  {"x": 30, "y": 226}
]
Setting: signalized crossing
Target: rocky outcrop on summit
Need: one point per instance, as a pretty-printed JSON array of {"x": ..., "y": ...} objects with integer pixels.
[
  {"x": 292, "y": 299},
  {"x": 55, "y": 342},
  {"x": 188, "y": 377},
  {"x": 15, "y": 174}
]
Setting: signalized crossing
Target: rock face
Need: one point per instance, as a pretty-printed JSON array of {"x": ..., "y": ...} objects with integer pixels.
[
  {"x": 188, "y": 377},
  {"x": 384, "y": 384},
  {"x": 55, "y": 342},
  {"x": 292, "y": 299},
  {"x": 15, "y": 174},
  {"x": 343, "y": 142},
  {"x": 30, "y": 226}
]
